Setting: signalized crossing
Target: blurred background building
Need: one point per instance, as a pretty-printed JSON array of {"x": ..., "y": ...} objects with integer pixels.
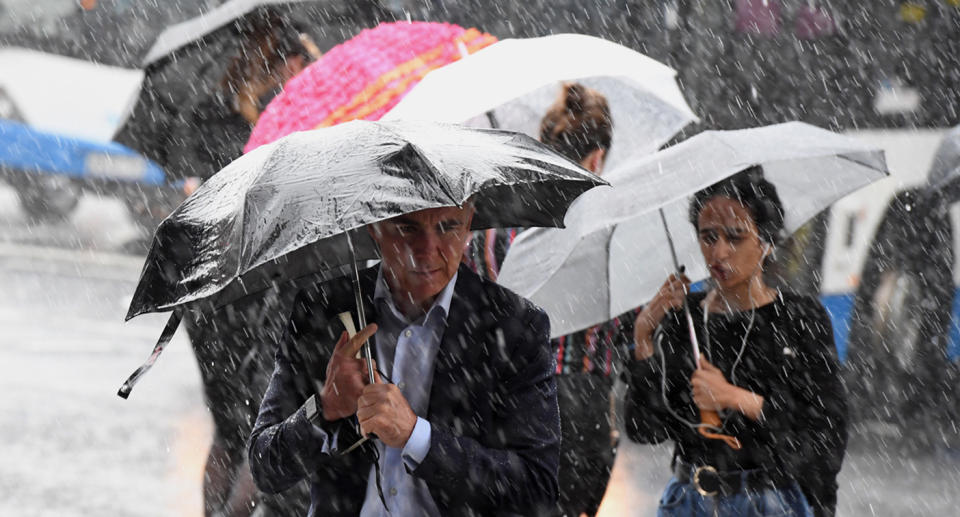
[{"x": 836, "y": 63}]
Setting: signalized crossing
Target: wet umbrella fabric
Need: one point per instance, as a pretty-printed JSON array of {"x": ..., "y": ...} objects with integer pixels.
[
  {"x": 283, "y": 210},
  {"x": 160, "y": 123},
  {"x": 945, "y": 169},
  {"x": 195, "y": 30},
  {"x": 516, "y": 81},
  {"x": 364, "y": 77},
  {"x": 613, "y": 255}
]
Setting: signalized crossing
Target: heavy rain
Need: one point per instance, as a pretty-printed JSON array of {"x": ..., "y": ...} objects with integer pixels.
[{"x": 230, "y": 181}]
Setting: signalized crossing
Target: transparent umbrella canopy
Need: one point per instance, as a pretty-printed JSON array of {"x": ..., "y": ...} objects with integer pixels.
[
  {"x": 513, "y": 82},
  {"x": 614, "y": 254}
]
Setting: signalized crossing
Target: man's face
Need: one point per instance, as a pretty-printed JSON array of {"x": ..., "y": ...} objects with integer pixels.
[{"x": 422, "y": 251}]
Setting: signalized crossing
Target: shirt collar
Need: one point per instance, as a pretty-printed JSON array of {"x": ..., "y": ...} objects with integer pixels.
[{"x": 441, "y": 304}]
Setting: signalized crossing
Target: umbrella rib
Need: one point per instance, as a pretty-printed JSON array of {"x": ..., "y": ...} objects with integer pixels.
[
  {"x": 858, "y": 162},
  {"x": 436, "y": 173},
  {"x": 243, "y": 211},
  {"x": 610, "y": 312},
  {"x": 350, "y": 205}
]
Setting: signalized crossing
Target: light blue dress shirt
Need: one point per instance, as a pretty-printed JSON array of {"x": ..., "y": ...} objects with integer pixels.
[{"x": 406, "y": 352}]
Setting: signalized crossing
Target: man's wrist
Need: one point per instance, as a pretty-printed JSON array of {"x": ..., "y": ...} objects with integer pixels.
[
  {"x": 418, "y": 444},
  {"x": 320, "y": 427}
]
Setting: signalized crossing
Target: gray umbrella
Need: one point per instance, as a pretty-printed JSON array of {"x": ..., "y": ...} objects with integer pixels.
[
  {"x": 299, "y": 206},
  {"x": 195, "y": 30},
  {"x": 946, "y": 162},
  {"x": 161, "y": 124}
]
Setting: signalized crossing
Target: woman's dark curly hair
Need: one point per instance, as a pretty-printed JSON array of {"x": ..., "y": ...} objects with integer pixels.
[{"x": 749, "y": 188}]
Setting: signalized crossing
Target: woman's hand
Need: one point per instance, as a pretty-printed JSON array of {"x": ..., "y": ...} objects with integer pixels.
[
  {"x": 712, "y": 392},
  {"x": 670, "y": 296}
]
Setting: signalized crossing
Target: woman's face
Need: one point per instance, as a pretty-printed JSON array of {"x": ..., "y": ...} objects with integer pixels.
[{"x": 730, "y": 243}]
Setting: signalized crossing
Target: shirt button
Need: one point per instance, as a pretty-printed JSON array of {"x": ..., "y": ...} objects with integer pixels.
[
  {"x": 393, "y": 491},
  {"x": 408, "y": 333},
  {"x": 402, "y": 385}
]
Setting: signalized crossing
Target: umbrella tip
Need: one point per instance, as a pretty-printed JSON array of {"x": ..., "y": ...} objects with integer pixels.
[{"x": 124, "y": 390}]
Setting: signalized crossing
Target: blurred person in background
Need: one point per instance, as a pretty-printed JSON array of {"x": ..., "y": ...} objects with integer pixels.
[
  {"x": 234, "y": 345},
  {"x": 769, "y": 368},
  {"x": 219, "y": 125},
  {"x": 578, "y": 126}
]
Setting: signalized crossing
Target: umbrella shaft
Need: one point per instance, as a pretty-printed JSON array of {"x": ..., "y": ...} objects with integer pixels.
[
  {"x": 361, "y": 316},
  {"x": 686, "y": 306},
  {"x": 693, "y": 334}
]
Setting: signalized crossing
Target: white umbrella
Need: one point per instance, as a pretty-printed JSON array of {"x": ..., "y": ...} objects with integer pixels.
[
  {"x": 516, "y": 80},
  {"x": 613, "y": 255}
]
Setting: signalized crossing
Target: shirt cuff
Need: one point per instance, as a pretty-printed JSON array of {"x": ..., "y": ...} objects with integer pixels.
[
  {"x": 311, "y": 413},
  {"x": 418, "y": 445}
]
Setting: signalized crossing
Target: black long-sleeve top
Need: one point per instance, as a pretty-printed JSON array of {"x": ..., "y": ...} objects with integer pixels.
[{"x": 788, "y": 357}]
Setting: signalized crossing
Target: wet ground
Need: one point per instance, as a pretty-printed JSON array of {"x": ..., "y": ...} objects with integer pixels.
[{"x": 71, "y": 447}]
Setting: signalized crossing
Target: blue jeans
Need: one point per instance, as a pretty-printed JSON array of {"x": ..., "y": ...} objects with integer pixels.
[{"x": 683, "y": 500}]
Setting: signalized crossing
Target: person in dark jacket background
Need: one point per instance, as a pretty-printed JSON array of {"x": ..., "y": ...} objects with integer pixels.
[
  {"x": 218, "y": 124},
  {"x": 769, "y": 368},
  {"x": 578, "y": 125},
  {"x": 195, "y": 113},
  {"x": 234, "y": 345}
]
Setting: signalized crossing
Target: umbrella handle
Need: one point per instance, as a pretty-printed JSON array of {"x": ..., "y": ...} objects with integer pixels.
[
  {"x": 709, "y": 419},
  {"x": 712, "y": 419},
  {"x": 347, "y": 320}
]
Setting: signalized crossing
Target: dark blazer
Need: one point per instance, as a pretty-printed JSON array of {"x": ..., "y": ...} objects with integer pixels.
[{"x": 495, "y": 438}]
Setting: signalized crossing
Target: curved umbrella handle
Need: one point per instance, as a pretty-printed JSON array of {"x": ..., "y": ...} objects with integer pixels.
[{"x": 712, "y": 419}]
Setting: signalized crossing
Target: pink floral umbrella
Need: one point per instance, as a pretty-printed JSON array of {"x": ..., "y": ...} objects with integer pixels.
[{"x": 364, "y": 77}]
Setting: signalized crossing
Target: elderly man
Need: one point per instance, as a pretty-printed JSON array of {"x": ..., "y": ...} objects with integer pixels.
[{"x": 465, "y": 412}]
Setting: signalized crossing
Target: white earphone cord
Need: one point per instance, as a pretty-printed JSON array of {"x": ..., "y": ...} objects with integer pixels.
[{"x": 709, "y": 351}]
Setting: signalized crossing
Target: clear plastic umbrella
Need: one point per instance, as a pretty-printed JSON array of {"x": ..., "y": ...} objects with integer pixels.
[
  {"x": 513, "y": 82},
  {"x": 946, "y": 162},
  {"x": 613, "y": 255}
]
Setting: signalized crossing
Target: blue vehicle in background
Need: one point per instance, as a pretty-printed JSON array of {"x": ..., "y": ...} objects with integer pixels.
[
  {"x": 57, "y": 118},
  {"x": 885, "y": 262},
  {"x": 50, "y": 170}
]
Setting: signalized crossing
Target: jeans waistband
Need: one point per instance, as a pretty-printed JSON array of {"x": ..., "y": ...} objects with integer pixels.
[{"x": 709, "y": 481}]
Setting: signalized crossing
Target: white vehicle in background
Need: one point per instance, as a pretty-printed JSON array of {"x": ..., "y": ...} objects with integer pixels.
[
  {"x": 889, "y": 271},
  {"x": 73, "y": 107}
]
